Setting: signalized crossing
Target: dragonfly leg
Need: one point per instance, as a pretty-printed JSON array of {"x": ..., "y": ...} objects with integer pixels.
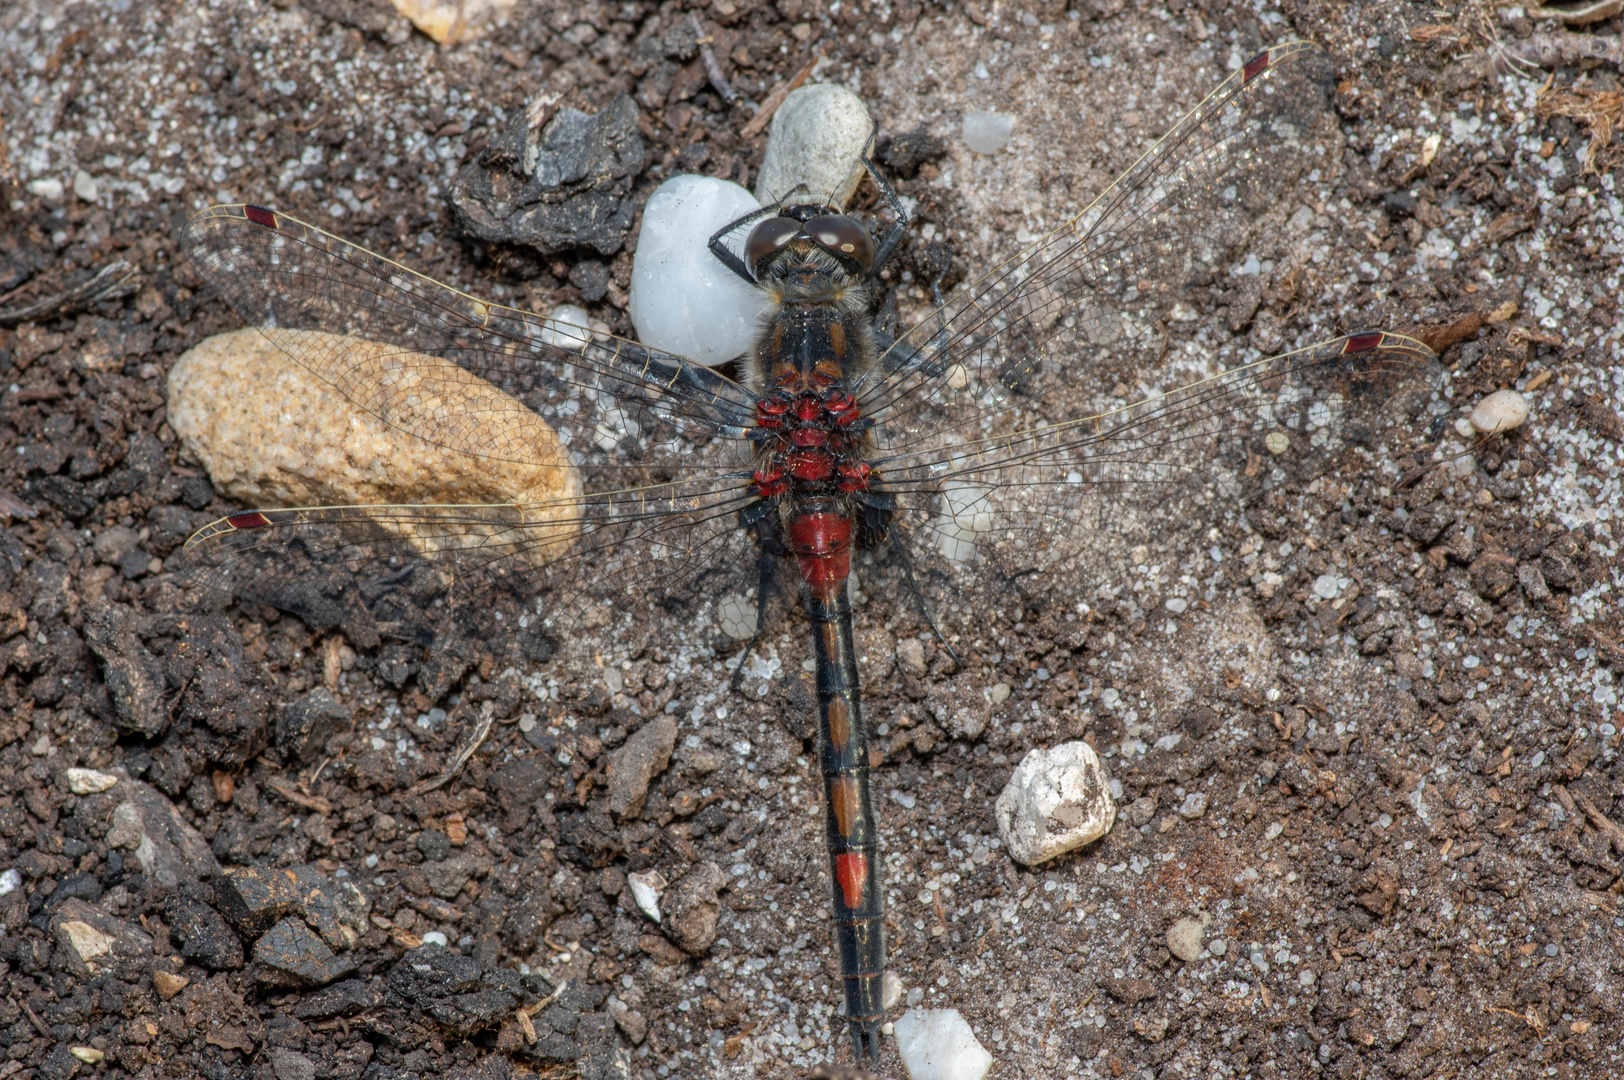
[
  {"x": 892, "y": 239},
  {"x": 919, "y": 598},
  {"x": 767, "y": 567},
  {"x": 724, "y": 254}
]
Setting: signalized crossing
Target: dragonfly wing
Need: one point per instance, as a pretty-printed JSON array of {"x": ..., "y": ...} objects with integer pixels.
[
  {"x": 502, "y": 582},
  {"x": 290, "y": 278},
  {"x": 1079, "y": 495},
  {"x": 1094, "y": 285}
]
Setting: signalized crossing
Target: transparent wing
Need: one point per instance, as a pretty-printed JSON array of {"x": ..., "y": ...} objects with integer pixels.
[
  {"x": 289, "y": 278},
  {"x": 1092, "y": 288},
  {"x": 1079, "y": 494},
  {"x": 507, "y": 582}
]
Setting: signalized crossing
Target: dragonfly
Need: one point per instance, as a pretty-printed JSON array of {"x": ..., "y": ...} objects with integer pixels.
[{"x": 984, "y": 450}]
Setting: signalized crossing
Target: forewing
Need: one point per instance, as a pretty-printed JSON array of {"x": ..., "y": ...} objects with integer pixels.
[
  {"x": 1095, "y": 285},
  {"x": 1077, "y": 496},
  {"x": 288, "y": 278},
  {"x": 504, "y": 582}
]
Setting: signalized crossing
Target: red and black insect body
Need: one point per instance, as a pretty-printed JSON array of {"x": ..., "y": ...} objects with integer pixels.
[{"x": 816, "y": 498}]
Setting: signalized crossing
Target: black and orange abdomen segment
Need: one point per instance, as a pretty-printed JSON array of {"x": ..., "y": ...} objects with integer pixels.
[{"x": 848, "y": 813}]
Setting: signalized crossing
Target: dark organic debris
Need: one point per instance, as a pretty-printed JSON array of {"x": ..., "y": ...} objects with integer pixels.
[
  {"x": 556, "y": 187},
  {"x": 115, "y": 280}
]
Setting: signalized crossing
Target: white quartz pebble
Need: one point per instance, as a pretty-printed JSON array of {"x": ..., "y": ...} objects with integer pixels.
[
  {"x": 571, "y": 328},
  {"x": 1058, "y": 799},
  {"x": 1500, "y": 411},
  {"x": 817, "y": 138},
  {"x": 937, "y": 1044},
  {"x": 683, "y": 300},
  {"x": 1184, "y": 939},
  {"x": 647, "y": 888},
  {"x": 987, "y": 132}
]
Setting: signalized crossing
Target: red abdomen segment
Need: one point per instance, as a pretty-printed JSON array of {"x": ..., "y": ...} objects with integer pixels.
[{"x": 822, "y": 545}]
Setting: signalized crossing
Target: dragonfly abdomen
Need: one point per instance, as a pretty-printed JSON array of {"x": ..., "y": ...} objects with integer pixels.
[{"x": 822, "y": 547}]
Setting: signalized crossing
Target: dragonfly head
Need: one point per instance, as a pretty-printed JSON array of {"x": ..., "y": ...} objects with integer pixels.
[{"x": 811, "y": 229}]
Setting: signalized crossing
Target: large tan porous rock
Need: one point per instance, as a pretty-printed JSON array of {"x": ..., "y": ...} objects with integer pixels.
[{"x": 271, "y": 433}]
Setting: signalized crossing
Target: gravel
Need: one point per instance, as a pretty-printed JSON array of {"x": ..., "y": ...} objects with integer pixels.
[{"x": 1411, "y": 831}]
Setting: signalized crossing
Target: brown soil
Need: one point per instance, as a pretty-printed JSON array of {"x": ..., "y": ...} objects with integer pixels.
[{"x": 1409, "y": 845}]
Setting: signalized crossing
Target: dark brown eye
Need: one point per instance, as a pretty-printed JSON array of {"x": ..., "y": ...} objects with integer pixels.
[
  {"x": 841, "y": 235},
  {"x": 767, "y": 238}
]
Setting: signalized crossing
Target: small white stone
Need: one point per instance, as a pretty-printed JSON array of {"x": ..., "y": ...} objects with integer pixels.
[
  {"x": 647, "y": 887},
  {"x": 85, "y": 186},
  {"x": 683, "y": 300},
  {"x": 434, "y": 937},
  {"x": 1193, "y": 806},
  {"x": 89, "y": 781},
  {"x": 1500, "y": 411},
  {"x": 1184, "y": 939},
  {"x": 10, "y": 881},
  {"x": 817, "y": 139},
  {"x": 937, "y": 1044},
  {"x": 987, "y": 132},
  {"x": 890, "y": 990},
  {"x": 1325, "y": 587},
  {"x": 1056, "y": 800},
  {"x": 571, "y": 328},
  {"x": 47, "y": 187}
]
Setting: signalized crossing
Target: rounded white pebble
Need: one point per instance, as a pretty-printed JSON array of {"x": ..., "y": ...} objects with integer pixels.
[
  {"x": 817, "y": 139},
  {"x": 434, "y": 937},
  {"x": 571, "y": 328},
  {"x": 1500, "y": 411},
  {"x": 987, "y": 132},
  {"x": 890, "y": 990},
  {"x": 683, "y": 300},
  {"x": 1184, "y": 939},
  {"x": 937, "y": 1044},
  {"x": 1056, "y": 800}
]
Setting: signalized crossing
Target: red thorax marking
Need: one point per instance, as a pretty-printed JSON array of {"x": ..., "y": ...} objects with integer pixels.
[
  {"x": 810, "y": 465},
  {"x": 853, "y": 475}
]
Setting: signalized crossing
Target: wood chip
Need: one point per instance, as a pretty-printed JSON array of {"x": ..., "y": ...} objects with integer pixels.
[
  {"x": 292, "y": 794},
  {"x": 764, "y": 114}
]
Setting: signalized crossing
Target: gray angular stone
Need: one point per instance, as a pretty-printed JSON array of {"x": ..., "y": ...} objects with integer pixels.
[
  {"x": 644, "y": 756},
  {"x": 564, "y": 186},
  {"x": 446, "y": 878},
  {"x": 304, "y": 727},
  {"x": 134, "y": 677},
  {"x": 168, "y": 849},
  {"x": 290, "y": 954},
  {"x": 95, "y": 943},
  {"x": 291, "y": 1065},
  {"x": 691, "y": 908}
]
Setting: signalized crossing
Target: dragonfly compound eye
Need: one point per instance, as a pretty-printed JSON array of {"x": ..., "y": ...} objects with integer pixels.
[
  {"x": 766, "y": 239},
  {"x": 842, "y": 236}
]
